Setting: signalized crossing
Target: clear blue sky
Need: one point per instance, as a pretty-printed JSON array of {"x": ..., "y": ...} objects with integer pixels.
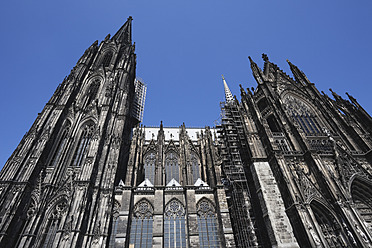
[{"x": 183, "y": 47}]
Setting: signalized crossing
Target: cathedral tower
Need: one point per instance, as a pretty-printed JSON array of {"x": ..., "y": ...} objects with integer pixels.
[
  {"x": 309, "y": 157},
  {"x": 55, "y": 189}
]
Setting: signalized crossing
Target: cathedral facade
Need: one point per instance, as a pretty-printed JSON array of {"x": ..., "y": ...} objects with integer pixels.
[{"x": 287, "y": 166}]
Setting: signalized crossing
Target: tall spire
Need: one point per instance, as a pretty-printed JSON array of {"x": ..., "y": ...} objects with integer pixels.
[
  {"x": 124, "y": 34},
  {"x": 228, "y": 96}
]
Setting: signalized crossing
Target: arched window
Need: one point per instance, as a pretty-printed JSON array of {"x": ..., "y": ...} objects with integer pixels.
[
  {"x": 362, "y": 196},
  {"x": 60, "y": 146},
  {"x": 207, "y": 224},
  {"x": 107, "y": 59},
  {"x": 195, "y": 166},
  {"x": 303, "y": 115},
  {"x": 174, "y": 225},
  {"x": 332, "y": 231},
  {"x": 142, "y": 225},
  {"x": 172, "y": 169},
  {"x": 53, "y": 224},
  {"x": 83, "y": 144},
  {"x": 93, "y": 90},
  {"x": 149, "y": 166}
]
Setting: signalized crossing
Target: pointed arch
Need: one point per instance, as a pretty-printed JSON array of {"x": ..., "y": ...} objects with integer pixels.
[
  {"x": 87, "y": 131},
  {"x": 60, "y": 145},
  {"x": 330, "y": 227},
  {"x": 361, "y": 194},
  {"x": 142, "y": 224},
  {"x": 149, "y": 165},
  {"x": 174, "y": 224},
  {"x": 303, "y": 113},
  {"x": 107, "y": 57},
  {"x": 172, "y": 168},
  {"x": 195, "y": 165},
  {"x": 53, "y": 222},
  {"x": 207, "y": 223},
  {"x": 92, "y": 89}
]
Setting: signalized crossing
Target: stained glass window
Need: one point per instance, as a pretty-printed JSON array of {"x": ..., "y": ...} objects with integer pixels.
[
  {"x": 83, "y": 144},
  {"x": 207, "y": 224},
  {"x": 303, "y": 115},
  {"x": 172, "y": 169},
  {"x": 149, "y": 166},
  {"x": 174, "y": 225},
  {"x": 142, "y": 225}
]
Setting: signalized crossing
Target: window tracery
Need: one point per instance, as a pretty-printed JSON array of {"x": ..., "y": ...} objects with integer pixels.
[
  {"x": 362, "y": 197},
  {"x": 107, "y": 59},
  {"x": 331, "y": 230},
  {"x": 93, "y": 90},
  {"x": 53, "y": 224},
  {"x": 303, "y": 115},
  {"x": 142, "y": 225},
  {"x": 60, "y": 146},
  {"x": 83, "y": 144},
  {"x": 149, "y": 166},
  {"x": 174, "y": 224},
  {"x": 207, "y": 224},
  {"x": 172, "y": 169}
]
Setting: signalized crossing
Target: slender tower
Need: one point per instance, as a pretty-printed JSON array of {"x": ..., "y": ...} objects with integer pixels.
[{"x": 56, "y": 188}]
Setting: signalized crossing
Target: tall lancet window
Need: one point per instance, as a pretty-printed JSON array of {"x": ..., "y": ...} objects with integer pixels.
[
  {"x": 83, "y": 144},
  {"x": 207, "y": 224},
  {"x": 195, "y": 166},
  {"x": 142, "y": 225},
  {"x": 60, "y": 147},
  {"x": 172, "y": 169},
  {"x": 305, "y": 117},
  {"x": 149, "y": 166},
  {"x": 107, "y": 59},
  {"x": 93, "y": 90},
  {"x": 174, "y": 224},
  {"x": 53, "y": 224}
]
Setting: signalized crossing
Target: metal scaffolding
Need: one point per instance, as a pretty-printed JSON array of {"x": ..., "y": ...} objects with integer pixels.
[{"x": 232, "y": 139}]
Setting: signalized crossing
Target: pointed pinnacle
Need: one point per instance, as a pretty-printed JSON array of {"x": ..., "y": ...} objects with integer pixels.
[{"x": 228, "y": 95}]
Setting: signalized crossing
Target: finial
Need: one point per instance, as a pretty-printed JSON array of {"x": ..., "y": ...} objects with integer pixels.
[
  {"x": 265, "y": 58},
  {"x": 223, "y": 78},
  {"x": 130, "y": 18},
  {"x": 161, "y": 124}
]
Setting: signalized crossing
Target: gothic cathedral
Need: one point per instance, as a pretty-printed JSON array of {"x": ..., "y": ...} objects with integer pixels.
[{"x": 287, "y": 166}]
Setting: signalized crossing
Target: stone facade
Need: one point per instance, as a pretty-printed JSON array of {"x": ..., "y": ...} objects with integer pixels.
[{"x": 287, "y": 166}]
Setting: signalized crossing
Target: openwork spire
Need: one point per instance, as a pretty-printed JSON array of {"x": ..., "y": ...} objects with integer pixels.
[{"x": 228, "y": 96}]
